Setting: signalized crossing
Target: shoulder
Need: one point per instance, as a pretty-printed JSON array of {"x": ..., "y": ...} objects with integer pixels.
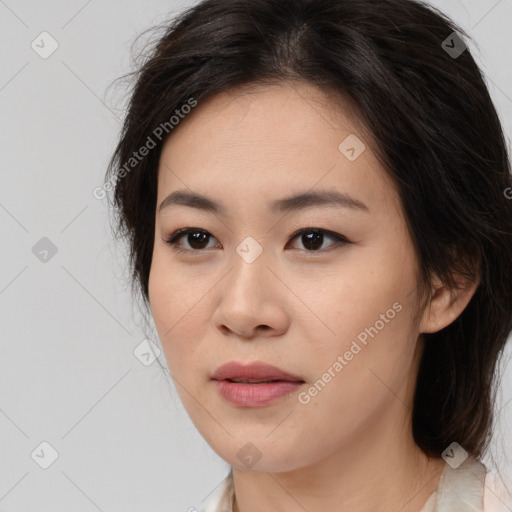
[
  {"x": 469, "y": 485},
  {"x": 497, "y": 498},
  {"x": 221, "y": 499}
]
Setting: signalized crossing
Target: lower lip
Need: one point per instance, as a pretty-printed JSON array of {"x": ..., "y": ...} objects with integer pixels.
[{"x": 255, "y": 395}]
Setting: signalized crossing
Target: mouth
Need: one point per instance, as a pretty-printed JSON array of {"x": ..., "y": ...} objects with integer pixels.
[
  {"x": 253, "y": 381},
  {"x": 254, "y": 372},
  {"x": 255, "y": 384}
]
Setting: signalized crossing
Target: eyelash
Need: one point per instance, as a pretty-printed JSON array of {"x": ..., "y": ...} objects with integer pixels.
[{"x": 180, "y": 233}]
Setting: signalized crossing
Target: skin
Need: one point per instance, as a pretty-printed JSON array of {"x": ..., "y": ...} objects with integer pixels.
[{"x": 351, "y": 446}]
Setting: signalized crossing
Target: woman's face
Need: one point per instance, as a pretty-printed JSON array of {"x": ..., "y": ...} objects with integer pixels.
[{"x": 338, "y": 314}]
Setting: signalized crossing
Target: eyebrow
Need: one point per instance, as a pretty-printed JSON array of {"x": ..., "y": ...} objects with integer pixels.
[{"x": 288, "y": 204}]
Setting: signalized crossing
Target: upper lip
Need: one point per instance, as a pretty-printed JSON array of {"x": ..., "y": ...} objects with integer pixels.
[{"x": 253, "y": 370}]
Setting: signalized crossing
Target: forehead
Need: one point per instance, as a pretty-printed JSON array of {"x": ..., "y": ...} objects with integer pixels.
[
  {"x": 271, "y": 140},
  {"x": 271, "y": 115}
]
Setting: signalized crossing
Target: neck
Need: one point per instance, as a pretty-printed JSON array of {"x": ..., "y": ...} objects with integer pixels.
[{"x": 372, "y": 474}]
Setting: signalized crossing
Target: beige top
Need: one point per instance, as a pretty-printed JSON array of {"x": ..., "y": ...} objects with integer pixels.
[{"x": 459, "y": 490}]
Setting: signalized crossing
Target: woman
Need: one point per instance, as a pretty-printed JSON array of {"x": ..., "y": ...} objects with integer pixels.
[{"x": 314, "y": 196}]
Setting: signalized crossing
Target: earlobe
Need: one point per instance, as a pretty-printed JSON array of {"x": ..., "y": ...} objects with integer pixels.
[{"x": 446, "y": 304}]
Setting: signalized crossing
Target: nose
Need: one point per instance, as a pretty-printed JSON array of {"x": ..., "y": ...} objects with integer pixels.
[{"x": 251, "y": 301}]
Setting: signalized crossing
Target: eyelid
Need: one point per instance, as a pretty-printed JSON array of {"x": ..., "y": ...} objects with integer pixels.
[
  {"x": 339, "y": 239},
  {"x": 185, "y": 231},
  {"x": 328, "y": 232}
]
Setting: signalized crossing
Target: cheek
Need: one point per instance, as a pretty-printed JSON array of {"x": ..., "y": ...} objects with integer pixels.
[
  {"x": 172, "y": 305},
  {"x": 181, "y": 306},
  {"x": 363, "y": 293},
  {"x": 371, "y": 340},
  {"x": 354, "y": 384}
]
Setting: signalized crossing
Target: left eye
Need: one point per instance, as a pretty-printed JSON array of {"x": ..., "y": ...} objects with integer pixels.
[{"x": 312, "y": 238}]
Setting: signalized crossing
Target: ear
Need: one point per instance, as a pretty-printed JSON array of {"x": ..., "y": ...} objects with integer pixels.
[{"x": 446, "y": 303}]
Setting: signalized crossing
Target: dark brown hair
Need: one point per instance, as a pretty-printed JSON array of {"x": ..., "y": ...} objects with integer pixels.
[{"x": 419, "y": 92}]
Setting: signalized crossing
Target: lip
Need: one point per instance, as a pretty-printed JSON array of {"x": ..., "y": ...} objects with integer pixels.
[
  {"x": 253, "y": 370},
  {"x": 247, "y": 394}
]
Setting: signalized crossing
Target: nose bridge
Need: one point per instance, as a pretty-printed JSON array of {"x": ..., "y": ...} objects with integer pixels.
[
  {"x": 249, "y": 267},
  {"x": 250, "y": 250},
  {"x": 246, "y": 292}
]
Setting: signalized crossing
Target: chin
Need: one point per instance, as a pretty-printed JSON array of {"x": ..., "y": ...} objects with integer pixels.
[{"x": 260, "y": 456}]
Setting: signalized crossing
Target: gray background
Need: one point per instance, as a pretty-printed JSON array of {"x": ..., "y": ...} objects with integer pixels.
[{"x": 68, "y": 373}]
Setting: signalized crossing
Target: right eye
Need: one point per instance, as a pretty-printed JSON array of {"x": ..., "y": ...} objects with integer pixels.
[{"x": 196, "y": 238}]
